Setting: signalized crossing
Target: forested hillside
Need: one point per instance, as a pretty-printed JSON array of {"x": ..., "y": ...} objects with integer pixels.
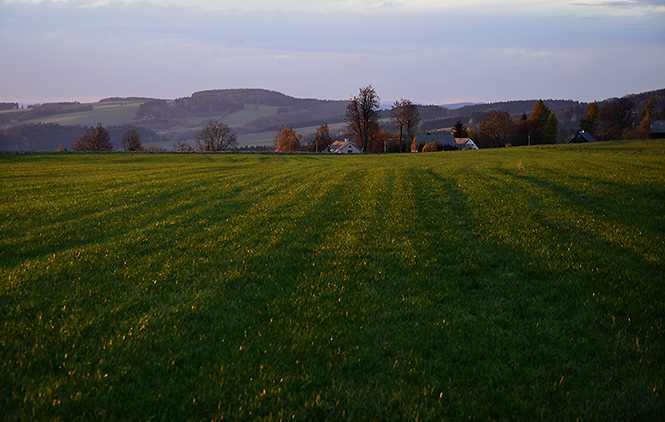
[{"x": 568, "y": 112}]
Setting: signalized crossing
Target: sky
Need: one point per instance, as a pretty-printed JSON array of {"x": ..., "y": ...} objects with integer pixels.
[{"x": 427, "y": 51}]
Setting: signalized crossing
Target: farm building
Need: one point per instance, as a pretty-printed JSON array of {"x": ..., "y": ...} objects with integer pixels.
[
  {"x": 344, "y": 147},
  {"x": 441, "y": 139},
  {"x": 465, "y": 143},
  {"x": 657, "y": 130},
  {"x": 582, "y": 137}
]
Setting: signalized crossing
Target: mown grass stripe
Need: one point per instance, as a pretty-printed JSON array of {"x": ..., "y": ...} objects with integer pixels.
[{"x": 520, "y": 283}]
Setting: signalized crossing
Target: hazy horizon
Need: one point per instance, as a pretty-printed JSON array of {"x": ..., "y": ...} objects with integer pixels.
[{"x": 431, "y": 52}]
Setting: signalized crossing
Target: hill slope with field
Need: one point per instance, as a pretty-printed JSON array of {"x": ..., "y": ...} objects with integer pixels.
[
  {"x": 253, "y": 114},
  {"x": 506, "y": 284}
]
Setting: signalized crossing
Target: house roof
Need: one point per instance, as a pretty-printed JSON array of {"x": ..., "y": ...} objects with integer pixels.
[
  {"x": 466, "y": 143},
  {"x": 583, "y": 136},
  {"x": 439, "y": 138},
  {"x": 462, "y": 141},
  {"x": 340, "y": 145},
  {"x": 658, "y": 126}
]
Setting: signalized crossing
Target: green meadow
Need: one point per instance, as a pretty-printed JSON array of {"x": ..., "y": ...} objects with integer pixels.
[
  {"x": 509, "y": 284},
  {"x": 106, "y": 114}
]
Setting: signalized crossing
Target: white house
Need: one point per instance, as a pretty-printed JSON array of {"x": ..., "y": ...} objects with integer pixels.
[
  {"x": 344, "y": 147},
  {"x": 465, "y": 143}
]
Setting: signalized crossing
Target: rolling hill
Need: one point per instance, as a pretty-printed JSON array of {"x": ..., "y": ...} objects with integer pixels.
[{"x": 254, "y": 115}]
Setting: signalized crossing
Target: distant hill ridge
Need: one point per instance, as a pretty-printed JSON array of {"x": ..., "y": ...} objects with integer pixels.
[{"x": 255, "y": 111}]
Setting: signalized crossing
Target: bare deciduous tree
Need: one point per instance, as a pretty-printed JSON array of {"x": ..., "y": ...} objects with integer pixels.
[
  {"x": 498, "y": 127},
  {"x": 131, "y": 141},
  {"x": 321, "y": 141},
  {"x": 182, "y": 146},
  {"x": 615, "y": 118},
  {"x": 405, "y": 117},
  {"x": 215, "y": 136},
  {"x": 362, "y": 117}
]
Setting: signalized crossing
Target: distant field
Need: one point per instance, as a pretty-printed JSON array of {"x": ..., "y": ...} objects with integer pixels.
[
  {"x": 112, "y": 114},
  {"x": 267, "y": 138},
  {"x": 251, "y": 111},
  {"x": 106, "y": 114},
  {"x": 509, "y": 284}
]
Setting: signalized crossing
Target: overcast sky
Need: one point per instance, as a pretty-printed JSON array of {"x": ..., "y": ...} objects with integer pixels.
[{"x": 428, "y": 51}]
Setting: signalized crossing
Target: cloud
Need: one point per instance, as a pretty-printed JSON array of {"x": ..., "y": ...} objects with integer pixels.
[{"x": 622, "y": 7}]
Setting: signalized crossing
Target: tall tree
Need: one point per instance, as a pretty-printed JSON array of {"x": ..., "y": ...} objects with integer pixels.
[
  {"x": 497, "y": 128},
  {"x": 215, "y": 136},
  {"x": 615, "y": 118},
  {"x": 551, "y": 130},
  {"x": 648, "y": 116},
  {"x": 405, "y": 118},
  {"x": 321, "y": 141},
  {"x": 362, "y": 117},
  {"x": 414, "y": 145},
  {"x": 459, "y": 131},
  {"x": 96, "y": 139},
  {"x": 590, "y": 120},
  {"x": 523, "y": 131},
  {"x": 286, "y": 140},
  {"x": 537, "y": 122},
  {"x": 131, "y": 141}
]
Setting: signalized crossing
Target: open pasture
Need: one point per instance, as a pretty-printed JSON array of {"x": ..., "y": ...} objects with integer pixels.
[
  {"x": 512, "y": 284},
  {"x": 106, "y": 114}
]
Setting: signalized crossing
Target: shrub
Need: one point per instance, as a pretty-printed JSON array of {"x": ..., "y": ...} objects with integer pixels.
[
  {"x": 430, "y": 147},
  {"x": 131, "y": 141},
  {"x": 96, "y": 139}
]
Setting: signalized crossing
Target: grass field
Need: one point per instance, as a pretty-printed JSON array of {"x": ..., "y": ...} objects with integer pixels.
[{"x": 511, "y": 284}]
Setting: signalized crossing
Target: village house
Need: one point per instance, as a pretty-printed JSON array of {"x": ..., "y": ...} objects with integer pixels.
[
  {"x": 465, "y": 143},
  {"x": 657, "y": 130},
  {"x": 582, "y": 137},
  {"x": 441, "y": 139},
  {"x": 344, "y": 147}
]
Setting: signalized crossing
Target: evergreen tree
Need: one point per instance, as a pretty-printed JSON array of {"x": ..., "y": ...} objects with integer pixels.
[
  {"x": 551, "y": 130},
  {"x": 537, "y": 122},
  {"x": 459, "y": 131}
]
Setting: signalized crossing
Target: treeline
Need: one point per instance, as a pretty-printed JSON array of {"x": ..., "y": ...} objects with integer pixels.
[
  {"x": 51, "y": 136},
  {"x": 162, "y": 111},
  {"x": 43, "y": 110},
  {"x": 8, "y": 106},
  {"x": 568, "y": 113},
  {"x": 120, "y": 100}
]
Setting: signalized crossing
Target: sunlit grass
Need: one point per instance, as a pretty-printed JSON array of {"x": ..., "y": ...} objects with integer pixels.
[{"x": 514, "y": 284}]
